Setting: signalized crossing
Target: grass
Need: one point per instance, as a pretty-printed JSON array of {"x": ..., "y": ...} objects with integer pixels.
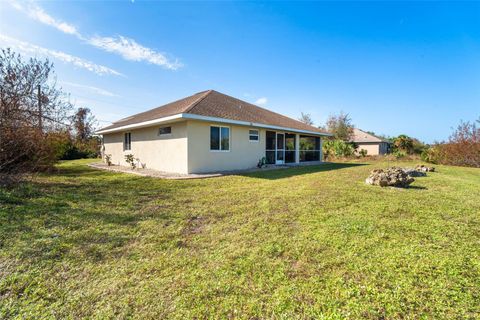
[{"x": 309, "y": 242}]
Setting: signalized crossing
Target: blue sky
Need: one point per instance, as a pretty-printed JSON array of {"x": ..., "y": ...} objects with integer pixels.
[{"x": 395, "y": 67}]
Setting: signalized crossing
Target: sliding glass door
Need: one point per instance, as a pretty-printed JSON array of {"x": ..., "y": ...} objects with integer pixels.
[{"x": 289, "y": 148}]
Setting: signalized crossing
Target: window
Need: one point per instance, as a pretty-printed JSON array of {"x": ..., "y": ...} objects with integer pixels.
[
  {"x": 253, "y": 135},
  {"x": 127, "y": 141},
  {"x": 309, "y": 148},
  {"x": 219, "y": 138},
  {"x": 164, "y": 130}
]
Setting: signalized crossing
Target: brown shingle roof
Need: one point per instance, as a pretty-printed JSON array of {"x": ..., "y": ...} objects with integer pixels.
[
  {"x": 215, "y": 104},
  {"x": 360, "y": 136}
]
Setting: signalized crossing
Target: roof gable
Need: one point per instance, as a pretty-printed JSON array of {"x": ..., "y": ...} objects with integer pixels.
[{"x": 362, "y": 136}]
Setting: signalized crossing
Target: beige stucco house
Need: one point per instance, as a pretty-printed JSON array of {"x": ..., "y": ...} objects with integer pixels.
[
  {"x": 210, "y": 132},
  {"x": 372, "y": 144}
]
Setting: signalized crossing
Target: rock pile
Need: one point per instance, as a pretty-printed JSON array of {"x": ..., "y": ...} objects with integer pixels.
[
  {"x": 414, "y": 172},
  {"x": 423, "y": 168},
  {"x": 394, "y": 177}
]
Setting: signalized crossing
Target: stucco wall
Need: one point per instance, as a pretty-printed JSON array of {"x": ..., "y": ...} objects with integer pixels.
[
  {"x": 165, "y": 153},
  {"x": 373, "y": 148},
  {"x": 179, "y": 154},
  {"x": 243, "y": 154}
]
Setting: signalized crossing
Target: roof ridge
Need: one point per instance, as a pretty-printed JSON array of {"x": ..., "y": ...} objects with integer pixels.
[
  {"x": 259, "y": 107},
  {"x": 205, "y": 94}
]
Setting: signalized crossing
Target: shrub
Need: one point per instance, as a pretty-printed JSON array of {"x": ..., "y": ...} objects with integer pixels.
[
  {"x": 32, "y": 111},
  {"x": 399, "y": 154},
  {"x": 108, "y": 159},
  {"x": 131, "y": 161},
  {"x": 363, "y": 153},
  {"x": 338, "y": 148},
  {"x": 462, "y": 148}
]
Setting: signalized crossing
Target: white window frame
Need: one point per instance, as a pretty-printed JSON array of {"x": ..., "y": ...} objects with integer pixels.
[
  {"x": 165, "y": 134},
  {"x": 254, "y": 135},
  {"x": 220, "y": 138}
]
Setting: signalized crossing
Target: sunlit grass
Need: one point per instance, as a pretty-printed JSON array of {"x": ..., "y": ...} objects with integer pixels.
[{"x": 309, "y": 242}]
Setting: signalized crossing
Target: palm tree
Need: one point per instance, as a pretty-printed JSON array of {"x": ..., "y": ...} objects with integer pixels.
[{"x": 404, "y": 143}]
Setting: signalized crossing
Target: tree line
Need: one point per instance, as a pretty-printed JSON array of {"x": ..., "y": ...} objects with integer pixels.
[
  {"x": 38, "y": 124},
  {"x": 462, "y": 148}
]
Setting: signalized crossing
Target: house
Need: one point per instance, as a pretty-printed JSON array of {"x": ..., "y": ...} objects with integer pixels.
[
  {"x": 210, "y": 132},
  {"x": 372, "y": 144}
]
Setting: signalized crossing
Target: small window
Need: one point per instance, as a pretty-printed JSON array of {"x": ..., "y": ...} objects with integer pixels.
[
  {"x": 164, "y": 130},
  {"x": 127, "y": 142},
  {"x": 253, "y": 135},
  {"x": 219, "y": 138}
]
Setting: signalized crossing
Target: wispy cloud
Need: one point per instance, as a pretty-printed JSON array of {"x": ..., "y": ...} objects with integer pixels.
[
  {"x": 34, "y": 50},
  {"x": 261, "y": 101},
  {"x": 129, "y": 49},
  {"x": 125, "y": 47},
  {"x": 92, "y": 89},
  {"x": 40, "y": 15}
]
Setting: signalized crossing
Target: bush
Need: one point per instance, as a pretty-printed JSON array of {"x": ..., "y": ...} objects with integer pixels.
[
  {"x": 399, "y": 154},
  {"x": 108, "y": 159},
  {"x": 338, "y": 148},
  {"x": 131, "y": 161},
  {"x": 363, "y": 153},
  {"x": 32, "y": 111},
  {"x": 462, "y": 149}
]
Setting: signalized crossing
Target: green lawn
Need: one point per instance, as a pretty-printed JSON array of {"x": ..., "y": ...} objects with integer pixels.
[{"x": 310, "y": 242}]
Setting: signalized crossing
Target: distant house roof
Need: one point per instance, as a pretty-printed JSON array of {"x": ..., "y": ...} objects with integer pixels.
[
  {"x": 211, "y": 105},
  {"x": 360, "y": 136}
]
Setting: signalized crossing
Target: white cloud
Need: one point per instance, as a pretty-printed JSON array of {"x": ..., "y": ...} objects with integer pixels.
[
  {"x": 34, "y": 50},
  {"x": 37, "y": 13},
  {"x": 261, "y": 101},
  {"x": 129, "y": 49},
  {"x": 93, "y": 89},
  {"x": 125, "y": 47}
]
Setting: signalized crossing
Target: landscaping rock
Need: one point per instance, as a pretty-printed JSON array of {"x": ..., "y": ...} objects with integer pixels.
[
  {"x": 424, "y": 168},
  {"x": 414, "y": 172},
  {"x": 393, "y": 177}
]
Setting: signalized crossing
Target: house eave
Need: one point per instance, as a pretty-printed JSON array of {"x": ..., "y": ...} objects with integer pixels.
[{"x": 190, "y": 116}]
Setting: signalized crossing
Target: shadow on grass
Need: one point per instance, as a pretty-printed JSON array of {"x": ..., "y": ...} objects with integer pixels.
[
  {"x": 417, "y": 187},
  {"x": 299, "y": 170}
]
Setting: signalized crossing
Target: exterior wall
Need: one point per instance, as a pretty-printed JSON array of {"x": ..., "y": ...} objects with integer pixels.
[
  {"x": 165, "y": 153},
  {"x": 243, "y": 154},
  {"x": 187, "y": 148},
  {"x": 373, "y": 148}
]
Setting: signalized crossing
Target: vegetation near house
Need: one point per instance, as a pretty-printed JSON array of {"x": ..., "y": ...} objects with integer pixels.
[
  {"x": 32, "y": 116},
  {"x": 461, "y": 149},
  {"x": 336, "y": 148},
  {"x": 340, "y": 126},
  {"x": 306, "y": 118},
  {"x": 311, "y": 242},
  {"x": 35, "y": 119}
]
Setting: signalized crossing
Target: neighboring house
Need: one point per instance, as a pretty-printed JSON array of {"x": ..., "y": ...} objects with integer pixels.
[
  {"x": 208, "y": 132},
  {"x": 372, "y": 144}
]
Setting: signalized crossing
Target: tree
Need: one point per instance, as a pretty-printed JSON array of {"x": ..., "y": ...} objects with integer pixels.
[
  {"x": 340, "y": 126},
  {"x": 306, "y": 118},
  {"x": 83, "y": 144},
  {"x": 403, "y": 143},
  {"x": 84, "y": 124},
  {"x": 32, "y": 110}
]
